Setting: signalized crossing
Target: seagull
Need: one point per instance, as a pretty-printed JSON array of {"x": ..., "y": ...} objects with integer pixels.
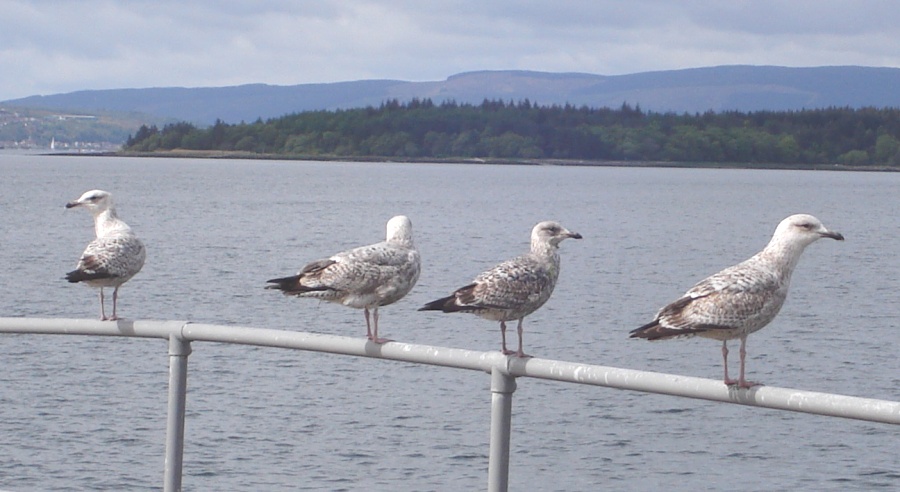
[
  {"x": 364, "y": 278},
  {"x": 514, "y": 288},
  {"x": 741, "y": 299},
  {"x": 114, "y": 256}
]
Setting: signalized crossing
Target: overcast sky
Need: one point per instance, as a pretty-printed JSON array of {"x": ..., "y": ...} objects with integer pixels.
[{"x": 49, "y": 47}]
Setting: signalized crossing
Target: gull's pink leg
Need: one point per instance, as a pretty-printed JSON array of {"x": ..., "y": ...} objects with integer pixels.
[
  {"x": 728, "y": 381},
  {"x": 374, "y": 337},
  {"x": 503, "y": 338},
  {"x": 368, "y": 327},
  {"x": 743, "y": 383},
  {"x": 102, "y": 310},
  {"x": 520, "y": 353},
  {"x": 115, "y": 301}
]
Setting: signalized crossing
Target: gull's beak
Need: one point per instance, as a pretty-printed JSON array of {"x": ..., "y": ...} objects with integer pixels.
[
  {"x": 832, "y": 235},
  {"x": 573, "y": 235},
  {"x": 73, "y": 204}
]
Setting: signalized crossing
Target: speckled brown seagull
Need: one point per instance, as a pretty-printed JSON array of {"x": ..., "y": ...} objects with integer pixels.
[
  {"x": 515, "y": 288},
  {"x": 114, "y": 256},
  {"x": 364, "y": 278},
  {"x": 743, "y": 298}
]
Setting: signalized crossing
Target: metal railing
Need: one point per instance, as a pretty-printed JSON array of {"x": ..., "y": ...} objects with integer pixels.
[{"x": 503, "y": 370}]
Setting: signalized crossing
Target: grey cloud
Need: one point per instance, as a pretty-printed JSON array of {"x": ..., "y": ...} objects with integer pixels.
[{"x": 93, "y": 44}]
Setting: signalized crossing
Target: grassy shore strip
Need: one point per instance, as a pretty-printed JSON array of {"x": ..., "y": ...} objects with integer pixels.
[{"x": 222, "y": 154}]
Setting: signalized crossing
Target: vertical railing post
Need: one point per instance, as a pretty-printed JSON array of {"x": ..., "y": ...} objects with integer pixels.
[
  {"x": 502, "y": 387},
  {"x": 179, "y": 349}
]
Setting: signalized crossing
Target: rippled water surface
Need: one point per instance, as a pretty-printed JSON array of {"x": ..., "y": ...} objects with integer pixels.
[{"x": 80, "y": 413}]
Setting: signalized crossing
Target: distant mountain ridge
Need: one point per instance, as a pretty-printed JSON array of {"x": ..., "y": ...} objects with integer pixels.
[{"x": 723, "y": 88}]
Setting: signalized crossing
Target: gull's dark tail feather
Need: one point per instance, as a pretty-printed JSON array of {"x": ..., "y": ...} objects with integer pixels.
[
  {"x": 445, "y": 304},
  {"x": 286, "y": 284},
  {"x": 292, "y": 285},
  {"x": 647, "y": 331},
  {"x": 655, "y": 331},
  {"x": 80, "y": 276}
]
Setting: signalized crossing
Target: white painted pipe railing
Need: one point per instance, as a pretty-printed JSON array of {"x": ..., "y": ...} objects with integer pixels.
[{"x": 503, "y": 370}]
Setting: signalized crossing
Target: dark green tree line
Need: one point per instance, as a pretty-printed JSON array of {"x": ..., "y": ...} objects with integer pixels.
[{"x": 422, "y": 129}]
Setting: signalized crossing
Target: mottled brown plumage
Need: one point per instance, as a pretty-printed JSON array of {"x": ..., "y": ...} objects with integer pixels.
[
  {"x": 515, "y": 288},
  {"x": 364, "y": 278},
  {"x": 740, "y": 299},
  {"x": 114, "y": 256}
]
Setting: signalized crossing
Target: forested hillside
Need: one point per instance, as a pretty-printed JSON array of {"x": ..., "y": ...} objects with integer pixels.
[{"x": 421, "y": 129}]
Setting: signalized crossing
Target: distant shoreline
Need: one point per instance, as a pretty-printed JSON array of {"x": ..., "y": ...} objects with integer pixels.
[{"x": 221, "y": 154}]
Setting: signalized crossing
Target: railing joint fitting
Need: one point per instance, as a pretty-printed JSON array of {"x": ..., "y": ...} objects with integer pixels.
[
  {"x": 502, "y": 381},
  {"x": 178, "y": 346}
]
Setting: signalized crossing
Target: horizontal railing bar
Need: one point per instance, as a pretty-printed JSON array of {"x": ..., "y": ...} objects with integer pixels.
[
  {"x": 795, "y": 400},
  {"x": 92, "y": 327},
  {"x": 851, "y": 407},
  {"x": 333, "y": 344}
]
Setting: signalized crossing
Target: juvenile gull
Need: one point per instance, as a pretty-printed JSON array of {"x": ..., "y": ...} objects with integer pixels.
[
  {"x": 114, "y": 257},
  {"x": 515, "y": 288},
  {"x": 743, "y": 298},
  {"x": 364, "y": 278}
]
